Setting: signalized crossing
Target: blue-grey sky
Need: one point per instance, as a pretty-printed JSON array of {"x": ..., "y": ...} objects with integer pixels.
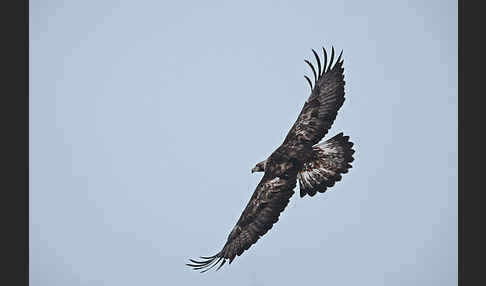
[{"x": 147, "y": 116}]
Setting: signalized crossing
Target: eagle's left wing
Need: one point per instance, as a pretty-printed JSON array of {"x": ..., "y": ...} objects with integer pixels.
[
  {"x": 270, "y": 198},
  {"x": 321, "y": 108}
]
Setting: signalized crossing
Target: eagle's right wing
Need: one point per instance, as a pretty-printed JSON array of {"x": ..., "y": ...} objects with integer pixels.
[
  {"x": 270, "y": 198},
  {"x": 320, "y": 110}
]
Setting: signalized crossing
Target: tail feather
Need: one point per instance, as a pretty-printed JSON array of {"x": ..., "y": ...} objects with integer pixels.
[{"x": 331, "y": 159}]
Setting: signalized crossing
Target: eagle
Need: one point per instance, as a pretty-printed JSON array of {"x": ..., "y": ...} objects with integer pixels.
[{"x": 316, "y": 166}]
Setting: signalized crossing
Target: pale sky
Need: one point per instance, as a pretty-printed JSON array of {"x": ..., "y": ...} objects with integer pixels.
[{"x": 146, "y": 118}]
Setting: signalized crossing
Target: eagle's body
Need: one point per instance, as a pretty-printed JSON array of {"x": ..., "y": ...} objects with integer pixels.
[{"x": 299, "y": 158}]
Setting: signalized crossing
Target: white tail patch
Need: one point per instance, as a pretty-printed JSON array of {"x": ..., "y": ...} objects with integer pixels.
[{"x": 331, "y": 159}]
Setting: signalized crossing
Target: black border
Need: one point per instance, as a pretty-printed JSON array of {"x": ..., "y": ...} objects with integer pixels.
[
  {"x": 15, "y": 194},
  {"x": 470, "y": 144}
]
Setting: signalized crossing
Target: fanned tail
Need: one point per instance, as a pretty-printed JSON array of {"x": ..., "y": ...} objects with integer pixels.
[{"x": 331, "y": 159}]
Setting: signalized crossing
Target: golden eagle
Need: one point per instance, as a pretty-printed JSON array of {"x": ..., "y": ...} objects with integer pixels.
[{"x": 300, "y": 157}]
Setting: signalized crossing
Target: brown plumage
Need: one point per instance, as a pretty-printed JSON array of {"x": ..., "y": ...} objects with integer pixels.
[{"x": 317, "y": 167}]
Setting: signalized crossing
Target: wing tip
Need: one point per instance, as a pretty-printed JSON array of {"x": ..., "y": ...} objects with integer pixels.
[
  {"x": 206, "y": 263},
  {"x": 326, "y": 66}
]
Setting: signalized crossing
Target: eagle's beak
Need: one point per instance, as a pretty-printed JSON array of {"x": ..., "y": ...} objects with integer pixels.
[{"x": 253, "y": 170}]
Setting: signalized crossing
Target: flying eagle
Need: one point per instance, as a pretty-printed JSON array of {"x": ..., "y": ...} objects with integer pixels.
[{"x": 300, "y": 157}]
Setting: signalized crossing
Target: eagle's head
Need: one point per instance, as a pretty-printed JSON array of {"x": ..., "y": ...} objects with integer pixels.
[{"x": 260, "y": 167}]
